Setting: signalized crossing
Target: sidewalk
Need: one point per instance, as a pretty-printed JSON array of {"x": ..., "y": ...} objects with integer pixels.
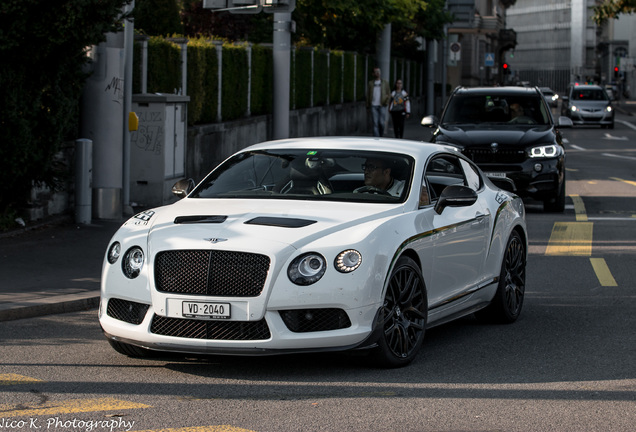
[{"x": 52, "y": 267}]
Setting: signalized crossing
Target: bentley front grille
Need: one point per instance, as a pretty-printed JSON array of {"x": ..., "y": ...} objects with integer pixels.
[
  {"x": 212, "y": 330},
  {"x": 312, "y": 320},
  {"x": 127, "y": 311},
  {"x": 211, "y": 272}
]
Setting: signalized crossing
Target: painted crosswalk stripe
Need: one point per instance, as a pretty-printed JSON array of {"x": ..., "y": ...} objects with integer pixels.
[
  {"x": 571, "y": 238},
  {"x": 68, "y": 407},
  {"x": 579, "y": 208},
  {"x": 13, "y": 379},
  {"x": 603, "y": 272}
]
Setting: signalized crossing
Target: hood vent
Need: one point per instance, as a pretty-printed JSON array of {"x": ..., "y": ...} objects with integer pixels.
[
  {"x": 280, "y": 222},
  {"x": 199, "y": 219}
]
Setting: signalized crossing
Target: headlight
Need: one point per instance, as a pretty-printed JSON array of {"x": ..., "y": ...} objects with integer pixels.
[
  {"x": 307, "y": 269},
  {"x": 544, "y": 151},
  {"x": 574, "y": 108},
  {"x": 347, "y": 261},
  {"x": 609, "y": 109},
  {"x": 114, "y": 251},
  {"x": 133, "y": 262}
]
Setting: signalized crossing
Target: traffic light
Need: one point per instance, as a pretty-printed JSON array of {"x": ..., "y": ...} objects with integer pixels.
[
  {"x": 505, "y": 69},
  {"x": 615, "y": 71}
]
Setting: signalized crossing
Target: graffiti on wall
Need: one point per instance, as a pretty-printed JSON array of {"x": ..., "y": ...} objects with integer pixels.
[
  {"x": 116, "y": 89},
  {"x": 149, "y": 136}
]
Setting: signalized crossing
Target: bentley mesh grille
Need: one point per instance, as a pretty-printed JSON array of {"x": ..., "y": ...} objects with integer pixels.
[
  {"x": 127, "y": 311},
  {"x": 215, "y": 273},
  {"x": 312, "y": 320},
  {"x": 502, "y": 155},
  {"x": 213, "y": 330}
]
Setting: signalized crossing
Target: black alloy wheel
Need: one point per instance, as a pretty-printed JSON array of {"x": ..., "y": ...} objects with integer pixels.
[
  {"x": 404, "y": 315},
  {"x": 508, "y": 300}
]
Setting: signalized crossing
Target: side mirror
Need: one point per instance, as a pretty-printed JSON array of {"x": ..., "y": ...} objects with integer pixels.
[
  {"x": 455, "y": 196},
  {"x": 565, "y": 122},
  {"x": 429, "y": 121},
  {"x": 183, "y": 187}
]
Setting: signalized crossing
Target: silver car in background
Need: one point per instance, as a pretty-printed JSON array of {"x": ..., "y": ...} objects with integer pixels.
[{"x": 588, "y": 105}]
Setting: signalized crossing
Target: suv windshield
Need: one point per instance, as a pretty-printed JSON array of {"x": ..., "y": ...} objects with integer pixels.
[
  {"x": 483, "y": 108},
  {"x": 329, "y": 175}
]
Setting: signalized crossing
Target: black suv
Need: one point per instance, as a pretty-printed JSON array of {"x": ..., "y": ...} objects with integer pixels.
[{"x": 509, "y": 132}]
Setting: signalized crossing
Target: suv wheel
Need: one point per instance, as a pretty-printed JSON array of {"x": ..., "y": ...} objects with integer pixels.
[{"x": 556, "y": 204}]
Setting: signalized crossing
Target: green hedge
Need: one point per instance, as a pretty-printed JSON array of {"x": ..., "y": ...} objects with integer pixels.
[{"x": 333, "y": 77}]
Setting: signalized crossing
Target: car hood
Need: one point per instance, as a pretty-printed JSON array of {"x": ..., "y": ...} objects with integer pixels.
[
  {"x": 486, "y": 134},
  {"x": 252, "y": 225},
  {"x": 590, "y": 104}
]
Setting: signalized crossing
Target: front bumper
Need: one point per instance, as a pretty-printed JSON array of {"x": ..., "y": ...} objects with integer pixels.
[
  {"x": 136, "y": 324},
  {"x": 539, "y": 179}
]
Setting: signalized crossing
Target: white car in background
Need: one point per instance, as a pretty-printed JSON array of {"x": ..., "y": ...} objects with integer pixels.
[{"x": 285, "y": 247}]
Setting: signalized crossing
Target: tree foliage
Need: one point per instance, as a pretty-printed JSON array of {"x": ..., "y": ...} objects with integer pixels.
[
  {"x": 158, "y": 17},
  {"x": 610, "y": 9},
  {"x": 43, "y": 47}
]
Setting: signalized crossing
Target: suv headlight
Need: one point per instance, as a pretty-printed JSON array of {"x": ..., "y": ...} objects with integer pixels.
[
  {"x": 608, "y": 109},
  {"x": 544, "y": 151}
]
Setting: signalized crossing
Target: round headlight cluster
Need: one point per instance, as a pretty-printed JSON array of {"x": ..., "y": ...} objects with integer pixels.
[
  {"x": 310, "y": 267},
  {"x": 133, "y": 262},
  {"x": 347, "y": 261},
  {"x": 114, "y": 251},
  {"x": 307, "y": 269}
]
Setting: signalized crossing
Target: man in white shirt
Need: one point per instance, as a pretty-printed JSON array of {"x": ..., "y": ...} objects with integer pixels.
[
  {"x": 378, "y": 98},
  {"x": 378, "y": 175}
]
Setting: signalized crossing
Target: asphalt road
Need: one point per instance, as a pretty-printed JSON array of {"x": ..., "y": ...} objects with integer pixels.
[{"x": 568, "y": 364}]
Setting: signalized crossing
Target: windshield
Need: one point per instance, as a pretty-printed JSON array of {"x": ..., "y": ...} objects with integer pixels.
[
  {"x": 589, "y": 94},
  {"x": 327, "y": 175},
  {"x": 501, "y": 109}
]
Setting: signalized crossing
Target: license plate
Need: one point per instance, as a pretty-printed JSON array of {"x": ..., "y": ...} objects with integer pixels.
[
  {"x": 206, "y": 310},
  {"x": 496, "y": 174}
]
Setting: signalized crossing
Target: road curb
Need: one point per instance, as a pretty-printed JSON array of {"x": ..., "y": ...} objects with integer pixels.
[{"x": 23, "y": 312}]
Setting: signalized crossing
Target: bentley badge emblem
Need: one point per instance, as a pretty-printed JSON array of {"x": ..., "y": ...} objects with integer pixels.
[{"x": 215, "y": 240}]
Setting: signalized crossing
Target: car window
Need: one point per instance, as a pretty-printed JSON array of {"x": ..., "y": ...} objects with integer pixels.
[
  {"x": 330, "y": 175},
  {"x": 589, "y": 94},
  {"x": 473, "y": 178},
  {"x": 443, "y": 171},
  {"x": 495, "y": 108}
]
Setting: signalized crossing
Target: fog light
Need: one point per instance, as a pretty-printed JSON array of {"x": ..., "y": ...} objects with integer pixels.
[{"x": 538, "y": 167}]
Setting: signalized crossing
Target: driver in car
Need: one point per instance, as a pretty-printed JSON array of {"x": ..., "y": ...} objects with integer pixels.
[{"x": 378, "y": 178}]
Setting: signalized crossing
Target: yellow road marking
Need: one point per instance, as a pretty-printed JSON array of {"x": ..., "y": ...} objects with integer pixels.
[
  {"x": 570, "y": 238},
  {"x": 579, "y": 208},
  {"x": 603, "y": 272},
  {"x": 69, "y": 406},
  {"x": 219, "y": 428},
  {"x": 12, "y": 379},
  {"x": 633, "y": 183}
]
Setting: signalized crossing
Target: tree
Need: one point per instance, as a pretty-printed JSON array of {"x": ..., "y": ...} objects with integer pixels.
[
  {"x": 158, "y": 17},
  {"x": 43, "y": 47},
  {"x": 610, "y": 9},
  {"x": 353, "y": 25}
]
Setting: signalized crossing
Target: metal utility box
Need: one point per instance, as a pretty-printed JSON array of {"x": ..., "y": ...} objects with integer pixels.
[{"x": 157, "y": 148}]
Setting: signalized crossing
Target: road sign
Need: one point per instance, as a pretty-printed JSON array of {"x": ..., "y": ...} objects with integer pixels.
[
  {"x": 489, "y": 60},
  {"x": 455, "y": 51}
]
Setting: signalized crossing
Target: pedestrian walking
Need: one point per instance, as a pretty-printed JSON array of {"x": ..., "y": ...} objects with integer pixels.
[
  {"x": 378, "y": 98},
  {"x": 400, "y": 108}
]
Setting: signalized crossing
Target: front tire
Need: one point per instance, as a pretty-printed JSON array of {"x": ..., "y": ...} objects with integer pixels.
[
  {"x": 506, "y": 305},
  {"x": 403, "y": 316},
  {"x": 556, "y": 204}
]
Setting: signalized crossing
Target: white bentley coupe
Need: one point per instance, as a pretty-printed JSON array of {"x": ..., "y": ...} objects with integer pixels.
[{"x": 317, "y": 244}]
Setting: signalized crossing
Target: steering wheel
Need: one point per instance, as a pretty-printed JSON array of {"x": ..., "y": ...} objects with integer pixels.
[{"x": 372, "y": 190}]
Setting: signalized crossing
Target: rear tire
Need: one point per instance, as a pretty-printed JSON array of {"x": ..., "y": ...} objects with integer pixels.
[
  {"x": 506, "y": 305},
  {"x": 403, "y": 316}
]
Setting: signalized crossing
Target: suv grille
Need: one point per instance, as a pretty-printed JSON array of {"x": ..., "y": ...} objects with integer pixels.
[
  {"x": 311, "y": 320},
  {"x": 211, "y": 272},
  {"x": 205, "y": 329},
  {"x": 483, "y": 155}
]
